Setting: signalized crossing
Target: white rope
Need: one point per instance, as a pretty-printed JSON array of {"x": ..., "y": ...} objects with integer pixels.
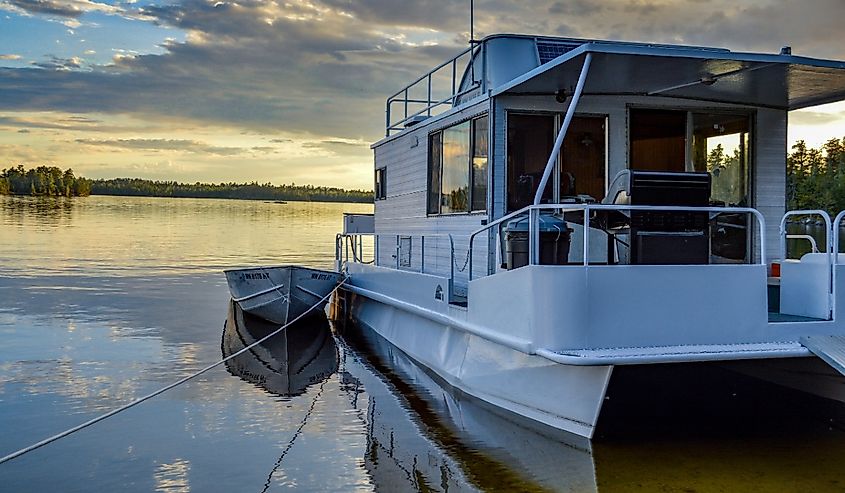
[{"x": 111, "y": 413}]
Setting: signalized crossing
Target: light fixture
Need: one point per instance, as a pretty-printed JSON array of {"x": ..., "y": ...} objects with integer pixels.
[{"x": 561, "y": 96}]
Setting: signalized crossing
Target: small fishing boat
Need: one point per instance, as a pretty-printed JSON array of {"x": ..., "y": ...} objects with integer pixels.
[{"x": 281, "y": 293}]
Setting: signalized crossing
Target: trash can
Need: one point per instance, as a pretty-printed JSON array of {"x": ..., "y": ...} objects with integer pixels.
[{"x": 554, "y": 241}]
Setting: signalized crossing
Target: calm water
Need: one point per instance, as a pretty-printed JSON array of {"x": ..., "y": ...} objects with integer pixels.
[{"x": 105, "y": 299}]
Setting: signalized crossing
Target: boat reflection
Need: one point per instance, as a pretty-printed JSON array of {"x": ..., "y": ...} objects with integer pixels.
[
  {"x": 423, "y": 435},
  {"x": 286, "y": 364}
]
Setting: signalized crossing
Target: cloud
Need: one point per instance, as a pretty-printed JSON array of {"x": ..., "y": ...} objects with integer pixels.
[
  {"x": 805, "y": 117},
  {"x": 59, "y": 64},
  {"x": 182, "y": 145},
  {"x": 64, "y": 8},
  {"x": 340, "y": 147}
]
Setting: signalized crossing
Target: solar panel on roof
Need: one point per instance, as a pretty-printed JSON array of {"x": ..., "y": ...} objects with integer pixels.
[{"x": 549, "y": 51}]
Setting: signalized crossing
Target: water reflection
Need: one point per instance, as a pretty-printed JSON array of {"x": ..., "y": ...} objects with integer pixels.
[
  {"x": 132, "y": 235},
  {"x": 49, "y": 211},
  {"x": 286, "y": 364},
  {"x": 425, "y": 436}
]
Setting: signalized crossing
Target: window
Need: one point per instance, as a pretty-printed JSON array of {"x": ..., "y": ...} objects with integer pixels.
[
  {"x": 580, "y": 170},
  {"x": 455, "y": 172},
  {"x": 479, "y": 164},
  {"x": 381, "y": 184},
  {"x": 530, "y": 141},
  {"x": 720, "y": 147},
  {"x": 718, "y": 143},
  {"x": 457, "y": 168}
]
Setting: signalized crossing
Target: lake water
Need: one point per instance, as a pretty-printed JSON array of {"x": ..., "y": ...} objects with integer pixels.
[{"x": 105, "y": 299}]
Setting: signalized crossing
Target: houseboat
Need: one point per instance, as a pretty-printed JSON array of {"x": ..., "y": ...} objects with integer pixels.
[{"x": 552, "y": 211}]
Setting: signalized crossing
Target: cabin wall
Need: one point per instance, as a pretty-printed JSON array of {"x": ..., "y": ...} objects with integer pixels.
[
  {"x": 403, "y": 212},
  {"x": 768, "y": 184}
]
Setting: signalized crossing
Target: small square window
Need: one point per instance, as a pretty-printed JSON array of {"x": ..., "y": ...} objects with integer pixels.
[{"x": 381, "y": 184}]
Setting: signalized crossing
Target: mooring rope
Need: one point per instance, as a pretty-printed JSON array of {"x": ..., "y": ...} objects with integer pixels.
[
  {"x": 296, "y": 434},
  {"x": 134, "y": 403}
]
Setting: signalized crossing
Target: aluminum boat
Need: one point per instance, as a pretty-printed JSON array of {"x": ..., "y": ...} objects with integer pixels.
[{"x": 280, "y": 294}]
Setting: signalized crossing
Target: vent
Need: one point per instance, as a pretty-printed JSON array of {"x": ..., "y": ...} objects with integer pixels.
[
  {"x": 405, "y": 251},
  {"x": 549, "y": 51}
]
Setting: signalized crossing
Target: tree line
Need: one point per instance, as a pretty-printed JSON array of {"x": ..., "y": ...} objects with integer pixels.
[
  {"x": 52, "y": 181},
  {"x": 43, "y": 180},
  {"x": 253, "y": 190},
  {"x": 815, "y": 178}
]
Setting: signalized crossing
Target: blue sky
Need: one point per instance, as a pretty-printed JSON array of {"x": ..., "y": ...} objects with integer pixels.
[{"x": 293, "y": 91}]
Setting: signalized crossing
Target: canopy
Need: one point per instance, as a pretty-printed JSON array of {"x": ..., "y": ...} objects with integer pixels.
[{"x": 765, "y": 80}]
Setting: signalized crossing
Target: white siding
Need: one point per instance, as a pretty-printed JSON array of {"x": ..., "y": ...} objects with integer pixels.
[
  {"x": 769, "y": 180},
  {"x": 403, "y": 213}
]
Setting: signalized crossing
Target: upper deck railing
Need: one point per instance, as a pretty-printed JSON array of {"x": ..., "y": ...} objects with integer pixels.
[{"x": 413, "y": 105}]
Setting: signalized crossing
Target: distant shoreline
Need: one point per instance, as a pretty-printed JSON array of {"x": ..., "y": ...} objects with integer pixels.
[
  {"x": 277, "y": 202},
  {"x": 53, "y": 182}
]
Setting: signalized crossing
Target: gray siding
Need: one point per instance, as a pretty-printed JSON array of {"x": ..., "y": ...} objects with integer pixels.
[{"x": 403, "y": 213}]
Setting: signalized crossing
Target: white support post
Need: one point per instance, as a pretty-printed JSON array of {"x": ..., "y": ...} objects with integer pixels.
[
  {"x": 586, "y": 235},
  {"x": 570, "y": 112}
]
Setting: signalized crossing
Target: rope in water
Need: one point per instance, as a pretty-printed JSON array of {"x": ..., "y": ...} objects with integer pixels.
[{"x": 134, "y": 403}]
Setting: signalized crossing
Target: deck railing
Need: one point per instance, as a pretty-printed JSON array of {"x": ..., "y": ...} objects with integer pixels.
[
  {"x": 350, "y": 248},
  {"x": 534, "y": 211},
  {"x": 429, "y": 104}
]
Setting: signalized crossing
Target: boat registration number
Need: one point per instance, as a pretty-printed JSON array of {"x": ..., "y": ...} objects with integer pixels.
[
  {"x": 321, "y": 277},
  {"x": 255, "y": 275}
]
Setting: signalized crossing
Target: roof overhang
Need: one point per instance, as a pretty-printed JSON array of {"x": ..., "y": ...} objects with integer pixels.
[{"x": 775, "y": 81}]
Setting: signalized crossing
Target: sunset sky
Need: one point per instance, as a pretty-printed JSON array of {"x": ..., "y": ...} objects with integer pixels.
[{"x": 293, "y": 91}]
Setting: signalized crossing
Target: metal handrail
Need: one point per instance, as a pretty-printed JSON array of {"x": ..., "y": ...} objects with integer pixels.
[
  {"x": 813, "y": 244},
  {"x": 342, "y": 249},
  {"x": 586, "y": 208},
  {"x": 402, "y": 95},
  {"x": 835, "y": 228},
  {"x": 431, "y": 105},
  {"x": 823, "y": 214}
]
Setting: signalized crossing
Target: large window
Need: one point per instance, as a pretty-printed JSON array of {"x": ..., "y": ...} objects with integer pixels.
[
  {"x": 581, "y": 167},
  {"x": 457, "y": 168},
  {"x": 718, "y": 143}
]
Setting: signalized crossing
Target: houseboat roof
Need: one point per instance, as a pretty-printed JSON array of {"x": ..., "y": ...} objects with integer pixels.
[
  {"x": 781, "y": 81},
  {"x": 541, "y": 65}
]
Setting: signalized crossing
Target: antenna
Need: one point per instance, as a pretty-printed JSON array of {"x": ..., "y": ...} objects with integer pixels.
[{"x": 471, "y": 18}]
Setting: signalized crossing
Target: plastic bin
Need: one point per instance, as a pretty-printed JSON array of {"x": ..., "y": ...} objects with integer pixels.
[{"x": 555, "y": 237}]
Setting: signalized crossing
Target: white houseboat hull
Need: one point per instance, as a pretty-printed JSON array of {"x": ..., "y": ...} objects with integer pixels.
[{"x": 566, "y": 397}]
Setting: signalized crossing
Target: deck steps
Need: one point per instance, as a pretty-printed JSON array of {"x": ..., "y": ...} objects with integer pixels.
[{"x": 829, "y": 348}]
